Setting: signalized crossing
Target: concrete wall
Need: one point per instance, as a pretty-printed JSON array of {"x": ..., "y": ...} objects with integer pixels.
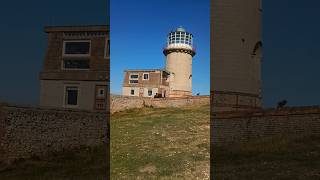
[
  {"x": 236, "y": 49},
  {"x": 240, "y": 127},
  {"x": 52, "y": 93},
  {"x": 32, "y": 131},
  {"x": 126, "y": 91},
  {"x": 180, "y": 66},
  {"x": 121, "y": 103}
]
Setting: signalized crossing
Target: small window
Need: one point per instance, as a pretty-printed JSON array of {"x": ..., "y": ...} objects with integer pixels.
[
  {"x": 76, "y": 48},
  {"x": 145, "y": 76},
  {"x": 100, "y": 92},
  {"x": 76, "y": 64},
  {"x": 133, "y": 81},
  {"x": 72, "y": 96},
  {"x": 150, "y": 92},
  {"x": 132, "y": 92},
  {"x": 133, "y": 78}
]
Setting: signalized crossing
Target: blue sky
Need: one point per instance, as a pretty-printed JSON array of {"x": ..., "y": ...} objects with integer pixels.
[
  {"x": 138, "y": 35},
  {"x": 291, "y": 52}
]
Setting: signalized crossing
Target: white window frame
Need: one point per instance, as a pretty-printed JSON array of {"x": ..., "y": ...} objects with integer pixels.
[
  {"x": 75, "y": 55},
  {"x": 151, "y": 92},
  {"x": 133, "y": 92},
  {"x": 65, "y": 105},
  {"x": 101, "y": 95},
  {"x": 144, "y": 78},
  {"x": 130, "y": 74}
]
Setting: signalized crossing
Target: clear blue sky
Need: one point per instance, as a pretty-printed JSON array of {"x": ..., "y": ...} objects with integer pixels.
[
  {"x": 138, "y": 35},
  {"x": 291, "y": 52},
  {"x": 23, "y": 42}
]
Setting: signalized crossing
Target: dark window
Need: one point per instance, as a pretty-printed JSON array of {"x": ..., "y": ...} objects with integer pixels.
[
  {"x": 134, "y": 76},
  {"x": 76, "y": 64},
  {"x": 145, "y": 76},
  {"x": 77, "y": 48},
  {"x": 150, "y": 92},
  {"x": 72, "y": 96},
  {"x": 133, "y": 81},
  {"x": 132, "y": 92}
]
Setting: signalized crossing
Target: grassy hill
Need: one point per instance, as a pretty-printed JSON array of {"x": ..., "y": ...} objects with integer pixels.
[
  {"x": 168, "y": 143},
  {"x": 173, "y": 143}
]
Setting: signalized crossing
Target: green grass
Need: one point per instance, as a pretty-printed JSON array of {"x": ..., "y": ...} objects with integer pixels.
[
  {"x": 84, "y": 164},
  {"x": 168, "y": 143},
  {"x": 295, "y": 158},
  {"x": 173, "y": 143}
]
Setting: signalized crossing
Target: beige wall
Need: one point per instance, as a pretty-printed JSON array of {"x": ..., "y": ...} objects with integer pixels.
[
  {"x": 126, "y": 91},
  {"x": 180, "y": 66},
  {"x": 236, "y": 33},
  {"x": 52, "y": 93}
]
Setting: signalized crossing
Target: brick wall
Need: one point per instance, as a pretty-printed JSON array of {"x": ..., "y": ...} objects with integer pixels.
[
  {"x": 32, "y": 131},
  {"x": 120, "y": 103},
  {"x": 237, "y": 127}
]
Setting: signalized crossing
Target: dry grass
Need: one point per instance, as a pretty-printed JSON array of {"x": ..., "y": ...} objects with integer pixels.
[{"x": 168, "y": 143}]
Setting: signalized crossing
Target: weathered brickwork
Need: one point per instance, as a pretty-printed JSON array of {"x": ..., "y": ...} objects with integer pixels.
[
  {"x": 27, "y": 132},
  {"x": 120, "y": 103},
  {"x": 237, "y": 127}
]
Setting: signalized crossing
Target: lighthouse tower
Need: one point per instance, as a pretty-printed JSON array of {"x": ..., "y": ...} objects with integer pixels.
[
  {"x": 179, "y": 52},
  {"x": 236, "y": 54}
]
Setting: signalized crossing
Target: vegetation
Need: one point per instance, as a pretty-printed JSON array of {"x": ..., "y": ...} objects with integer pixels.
[
  {"x": 83, "y": 164},
  {"x": 173, "y": 143},
  {"x": 168, "y": 143},
  {"x": 277, "y": 158}
]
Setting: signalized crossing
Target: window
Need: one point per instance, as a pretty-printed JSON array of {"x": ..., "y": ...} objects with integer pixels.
[
  {"x": 71, "y": 96},
  {"x": 145, "y": 76},
  {"x": 132, "y": 92},
  {"x": 76, "y": 64},
  {"x": 76, "y": 48},
  {"x": 133, "y": 78},
  {"x": 150, "y": 92},
  {"x": 107, "y": 49},
  {"x": 100, "y": 92}
]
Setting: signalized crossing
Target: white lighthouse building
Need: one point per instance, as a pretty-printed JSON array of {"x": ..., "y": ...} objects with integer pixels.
[{"x": 179, "y": 52}]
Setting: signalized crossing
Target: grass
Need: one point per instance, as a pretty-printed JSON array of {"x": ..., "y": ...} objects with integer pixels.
[
  {"x": 294, "y": 157},
  {"x": 83, "y": 164},
  {"x": 168, "y": 143},
  {"x": 173, "y": 143}
]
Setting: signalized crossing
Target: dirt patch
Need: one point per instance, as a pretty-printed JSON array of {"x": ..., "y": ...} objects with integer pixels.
[{"x": 148, "y": 169}]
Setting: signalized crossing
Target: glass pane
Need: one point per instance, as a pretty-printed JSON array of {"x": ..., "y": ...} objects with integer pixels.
[
  {"x": 77, "y": 48},
  {"x": 76, "y": 64}
]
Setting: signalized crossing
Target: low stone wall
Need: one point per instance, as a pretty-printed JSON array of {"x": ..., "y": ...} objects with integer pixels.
[
  {"x": 238, "y": 127},
  {"x": 121, "y": 103},
  {"x": 26, "y": 132}
]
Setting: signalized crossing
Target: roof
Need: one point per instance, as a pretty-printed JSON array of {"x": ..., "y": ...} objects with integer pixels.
[
  {"x": 145, "y": 70},
  {"x": 79, "y": 28}
]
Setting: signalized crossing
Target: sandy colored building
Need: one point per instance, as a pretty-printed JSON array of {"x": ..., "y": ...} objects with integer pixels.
[
  {"x": 76, "y": 68},
  {"x": 175, "y": 80},
  {"x": 146, "y": 83},
  {"x": 236, "y": 53}
]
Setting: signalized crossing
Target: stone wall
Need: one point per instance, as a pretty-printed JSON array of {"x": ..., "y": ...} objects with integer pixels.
[
  {"x": 27, "y": 132},
  {"x": 237, "y": 127},
  {"x": 121, "y": 103}
]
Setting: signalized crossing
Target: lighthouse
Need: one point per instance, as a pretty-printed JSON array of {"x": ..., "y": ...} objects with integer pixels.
[
  {"x": 179, "y": 52},
  {"x": 236, "y": 54}
]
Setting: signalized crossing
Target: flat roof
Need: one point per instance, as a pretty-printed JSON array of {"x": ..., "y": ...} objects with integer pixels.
[
  {"x": 77, "y": 28},
  {"x": 145, "y": 70}
]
